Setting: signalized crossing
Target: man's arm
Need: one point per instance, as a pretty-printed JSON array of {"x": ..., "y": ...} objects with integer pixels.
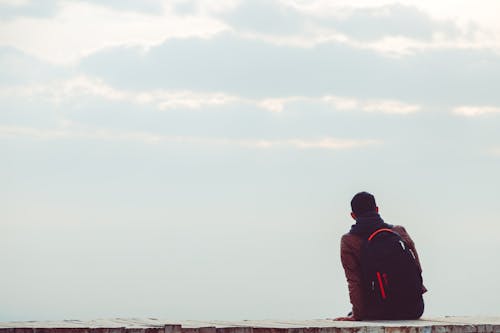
[
  {"x": 406, "y": 237},
  {"x": 352, "y": 269}
]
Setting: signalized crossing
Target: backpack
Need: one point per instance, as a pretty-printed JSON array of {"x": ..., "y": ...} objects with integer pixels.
[{"x": 391, "y": 277}]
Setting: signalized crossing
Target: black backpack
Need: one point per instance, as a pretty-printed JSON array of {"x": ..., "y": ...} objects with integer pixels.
[{"x": 391, "y": 277}]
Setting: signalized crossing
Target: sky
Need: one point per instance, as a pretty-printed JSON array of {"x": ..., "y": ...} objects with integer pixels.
[{"x": 192, "y": 159}]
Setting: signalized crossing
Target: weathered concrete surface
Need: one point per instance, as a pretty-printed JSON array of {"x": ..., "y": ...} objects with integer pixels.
[{"x": 152, "y": 325}]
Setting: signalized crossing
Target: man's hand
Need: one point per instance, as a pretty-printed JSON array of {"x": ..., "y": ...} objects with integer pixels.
[{"x": 349, "y": 318}]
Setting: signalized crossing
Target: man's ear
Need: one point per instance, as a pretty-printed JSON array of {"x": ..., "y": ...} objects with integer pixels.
[
  {"x": 353, "y": 215},
  {"x": 376, "y": 209}
]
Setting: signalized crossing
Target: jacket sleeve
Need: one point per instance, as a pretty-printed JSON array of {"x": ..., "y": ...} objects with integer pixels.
[
  {"x": 350, "y": 262},
  {"x": 406, "y": 237}
]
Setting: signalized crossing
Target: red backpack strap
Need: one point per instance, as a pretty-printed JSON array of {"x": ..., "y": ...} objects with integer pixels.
[{"x": 379, "y": 231}]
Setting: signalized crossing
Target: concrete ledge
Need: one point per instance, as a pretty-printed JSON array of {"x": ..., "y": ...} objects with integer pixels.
[{"x": 152, "y": 325}]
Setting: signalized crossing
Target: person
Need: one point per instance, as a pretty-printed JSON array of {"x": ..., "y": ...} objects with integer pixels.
[{"x": 366, "y": 214}]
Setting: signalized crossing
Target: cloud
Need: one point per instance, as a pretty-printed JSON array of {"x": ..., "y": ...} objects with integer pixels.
[
  {"x": 442, "y": 15},
  {"x": 341, "y": 103},
  {"x": 278, "y": 104},
  {"x": 475, "y": 111},
  {"x": 68, "y": 36},
  {"x": 10, "y": 9},
  {"x": 69, "y": 131},
  {"x": 202, "y": 7},
  {"x": 66, "y": 133},
  {"x": 70, "y": 90},
  {"x": 65, "y": 37},
  {"x": 20, "y": 68},
  {"x": 265, "y": 17},
  {"x": 14, "y": 3},
  {"x": 495, "y": 151},
  {"x": 344, "y": 103},
  {"x": 330, "y": 143},
  {"x": 374, "y": 23},
  {"x": 83, "y": 86},
  {"x": 257, "y": 69},
  {"x": 391, "y": 29},
  {"x": 391, "y": 107},
  {"x": 155, "y": 7}
]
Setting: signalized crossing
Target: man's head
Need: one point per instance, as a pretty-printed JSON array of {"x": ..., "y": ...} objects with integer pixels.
[{"x": 362, "y": 203}]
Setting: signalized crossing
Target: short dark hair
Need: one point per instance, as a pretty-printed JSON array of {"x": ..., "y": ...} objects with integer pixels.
[{"x": 363, "y": 202}]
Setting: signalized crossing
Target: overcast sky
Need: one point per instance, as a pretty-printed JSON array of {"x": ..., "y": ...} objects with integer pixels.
[{"x": 195, "y": 159}]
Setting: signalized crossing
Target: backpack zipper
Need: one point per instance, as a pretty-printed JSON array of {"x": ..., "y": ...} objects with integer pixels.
[{"x": 381, "y": 285}]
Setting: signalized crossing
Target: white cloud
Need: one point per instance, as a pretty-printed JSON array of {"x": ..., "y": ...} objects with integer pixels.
[
  {"x": 215, "y": 7},
  {"x": 59, "y": 91},
  {"x": 65, "y": 132},
  {"x": 69, "y": 131},
  {"x": 330, "y": 143},
  {"x": 495, "y": 151},
  {"x": 401, "y": 46},
  {"x": 337, "y": 102},
  {"x": 14, "y": 3},
  {"x": 398, "y": 45},
  {"x": 278, "y": 104},
  {"x": 273, "y": 104},
  {"x": 324, "y": 143},
  {"x": 477, "y": 27},
  {"x": 83, "y": 86},
  {"x": 390, "y": 106},
  {"x": 341, "y": 103},
  {"x": 475, "y": 111},
  {"x": 188, "y": 99},
  {"x": 390, "y": 46},
  {"x": 462, "y": 12},
  {"x": 80, "y": 29},
  {"x": 474, "y": 26}
]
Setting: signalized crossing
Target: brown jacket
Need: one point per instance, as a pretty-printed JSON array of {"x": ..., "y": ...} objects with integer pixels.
[{"x": 350, "y": 255}]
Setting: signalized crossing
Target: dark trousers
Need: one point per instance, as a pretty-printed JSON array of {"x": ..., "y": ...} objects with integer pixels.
[{"x": 411, "y": 310}]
